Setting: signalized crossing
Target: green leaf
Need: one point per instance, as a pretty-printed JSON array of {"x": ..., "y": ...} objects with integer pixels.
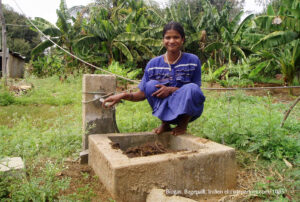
[
  {"x": 42, "y": 46},
  {"x": 52, "y": 31},
  {"x": 214, "y": 46},
  {"x": 270, "y": 10},
  {"x": 275, "y": 39},
  {"x": 87, "y": 41},
  {"x": 129, "y": 36},
  {"x": 258, "y": 69},
  {"x": 239, "y": 51},
  {"x": 152, "y": 42},
  {"x": 124, "y": 50},
  {"x": 219, "y": 71},
  {"x": 246, "y": 20}
]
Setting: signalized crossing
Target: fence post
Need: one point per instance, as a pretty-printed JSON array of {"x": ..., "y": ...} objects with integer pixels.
[{"x": 95, "y": 119}]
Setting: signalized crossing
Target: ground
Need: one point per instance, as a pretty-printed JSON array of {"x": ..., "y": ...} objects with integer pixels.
[{"x": 62, "y": 118}]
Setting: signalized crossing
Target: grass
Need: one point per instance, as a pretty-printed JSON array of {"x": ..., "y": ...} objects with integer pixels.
[{"x": 44, "y": 128}]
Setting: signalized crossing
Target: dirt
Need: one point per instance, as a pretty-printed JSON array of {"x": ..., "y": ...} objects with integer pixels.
[
  {"x": 82, "y": 176},
  {"x": 278, "y": 95},
  {"x": 147, "y": 149},
  {"x": 84, "y": 182}
]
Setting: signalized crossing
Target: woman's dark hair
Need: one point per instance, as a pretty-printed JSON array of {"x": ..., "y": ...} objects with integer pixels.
[{"x": 174, "y": 26}]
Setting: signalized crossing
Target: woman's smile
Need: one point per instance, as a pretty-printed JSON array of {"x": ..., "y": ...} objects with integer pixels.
[{"x": 173, "y": 41}]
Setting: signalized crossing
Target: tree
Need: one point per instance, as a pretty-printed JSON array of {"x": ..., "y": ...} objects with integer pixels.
[{"x": 20, "y": 38}]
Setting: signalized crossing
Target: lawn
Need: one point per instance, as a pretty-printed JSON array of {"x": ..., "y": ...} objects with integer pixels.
[{"x": 43, "y": 126}]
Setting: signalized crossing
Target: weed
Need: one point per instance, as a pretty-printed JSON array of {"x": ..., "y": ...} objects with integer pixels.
[{"x": 6, "y": 98}]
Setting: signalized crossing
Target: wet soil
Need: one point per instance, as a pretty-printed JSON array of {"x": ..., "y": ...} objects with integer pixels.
[{"x": 147, "y": 149}]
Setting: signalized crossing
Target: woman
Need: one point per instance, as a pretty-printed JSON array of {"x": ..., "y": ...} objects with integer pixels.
[{"x": 171, "y": 84}]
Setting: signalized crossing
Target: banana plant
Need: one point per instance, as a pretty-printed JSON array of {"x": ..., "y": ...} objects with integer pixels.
[
  {"x": 279, "y": 39},
  {"x": 281, "y": 27},
  {"x": 231, "y": 39},
  {"x": 65, "y": 32},
  {"x": 116, "y": 35},
  {"x": 287, "y": 58}
]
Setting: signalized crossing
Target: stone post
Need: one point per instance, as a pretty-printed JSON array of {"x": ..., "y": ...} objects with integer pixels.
[{"x": 95, "y": 119}]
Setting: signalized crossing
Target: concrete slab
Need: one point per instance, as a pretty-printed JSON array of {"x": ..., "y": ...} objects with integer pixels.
[
  {"x": 14, "y": 163},
  {"x": 202, "y": 165},
  {"x": 159, "y": 195}
]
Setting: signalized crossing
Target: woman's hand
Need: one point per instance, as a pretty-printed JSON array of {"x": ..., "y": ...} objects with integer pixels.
[
  {"x": 112, "y": 100},
  {"x": 164, "y": 91}
]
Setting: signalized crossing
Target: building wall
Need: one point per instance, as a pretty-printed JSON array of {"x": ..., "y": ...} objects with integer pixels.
[{"x": 15, "y": 67}]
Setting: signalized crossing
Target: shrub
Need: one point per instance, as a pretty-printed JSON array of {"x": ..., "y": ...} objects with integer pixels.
[{"x": 6, "y": 98}]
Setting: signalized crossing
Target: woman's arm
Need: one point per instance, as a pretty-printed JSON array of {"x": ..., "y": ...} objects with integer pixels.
[
  {"x": 114, "y": 99},
  {"x": 164, "y": 91}
]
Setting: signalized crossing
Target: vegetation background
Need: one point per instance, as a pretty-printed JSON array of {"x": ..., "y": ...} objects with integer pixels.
[{"x": 43, "y": 125}]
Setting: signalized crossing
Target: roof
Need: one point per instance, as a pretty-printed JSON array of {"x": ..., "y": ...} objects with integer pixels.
[{"x": 16, "y": 54}]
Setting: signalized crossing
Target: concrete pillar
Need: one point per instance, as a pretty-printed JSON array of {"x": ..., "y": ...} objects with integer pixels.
[{"x": 97, "y": 120}]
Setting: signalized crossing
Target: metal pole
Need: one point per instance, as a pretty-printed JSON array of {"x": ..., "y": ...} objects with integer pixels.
[{"x": 4, "y": 70}]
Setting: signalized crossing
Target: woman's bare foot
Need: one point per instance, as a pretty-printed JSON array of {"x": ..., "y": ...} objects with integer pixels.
[
  {"x": 164, "y": 127},
  {"x": 180, "y": 129}
]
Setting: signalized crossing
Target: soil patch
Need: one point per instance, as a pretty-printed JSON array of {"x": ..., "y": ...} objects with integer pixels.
[
  {"x": 84, "y": 182},
  {"x": 146, "y": 149}
]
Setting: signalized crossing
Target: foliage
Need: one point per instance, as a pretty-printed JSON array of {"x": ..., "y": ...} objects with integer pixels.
[
  {"x": 280, "y": 39},
  {"x": 6, "y": 98},
  {"x": 20, "y": 38},
  {"x": 50, "y": 65}
]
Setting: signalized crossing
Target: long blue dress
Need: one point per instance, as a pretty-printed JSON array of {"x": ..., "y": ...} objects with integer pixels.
[{"x": 186, "y": 75}]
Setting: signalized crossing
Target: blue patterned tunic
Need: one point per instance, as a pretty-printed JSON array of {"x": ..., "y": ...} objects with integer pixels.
[{"x": 186, "y": 75}]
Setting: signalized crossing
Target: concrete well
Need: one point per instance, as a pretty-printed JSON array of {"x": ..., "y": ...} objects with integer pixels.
[{"x": 199, "y": 165}]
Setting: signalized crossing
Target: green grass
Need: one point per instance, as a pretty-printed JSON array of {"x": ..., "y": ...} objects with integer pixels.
[{"x": 44, "y": 128}]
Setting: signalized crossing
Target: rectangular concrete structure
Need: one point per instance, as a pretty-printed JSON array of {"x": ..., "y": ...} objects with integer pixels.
[{"x": 201, "y": 164}]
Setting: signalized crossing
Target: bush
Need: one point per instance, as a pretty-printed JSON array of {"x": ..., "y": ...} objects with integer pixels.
[{"x": 6, "y": 98}]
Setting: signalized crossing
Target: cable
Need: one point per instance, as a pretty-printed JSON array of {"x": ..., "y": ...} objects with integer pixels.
[
  {"x": 16, "y": 25},
  {"x": 134, "y": 81},
  {"x": 74, "y": 56},
  {"x": 254, "y": 88}
]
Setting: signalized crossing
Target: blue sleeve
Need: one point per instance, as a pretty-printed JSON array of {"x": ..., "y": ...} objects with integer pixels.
[
  {"x": 197, "y": 74},
  {"x": 144, "y": 80}
]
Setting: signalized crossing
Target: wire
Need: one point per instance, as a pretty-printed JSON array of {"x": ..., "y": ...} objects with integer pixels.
[
  {"x": 74, "y": 56},
  {"x": 16, "y": 25},
  {"x": 254, "y": 88},
  {"x": 134, "y": 81}
]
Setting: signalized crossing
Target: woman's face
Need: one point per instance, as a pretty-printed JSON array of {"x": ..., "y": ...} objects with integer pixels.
[{"x": 173, "y": 41}]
